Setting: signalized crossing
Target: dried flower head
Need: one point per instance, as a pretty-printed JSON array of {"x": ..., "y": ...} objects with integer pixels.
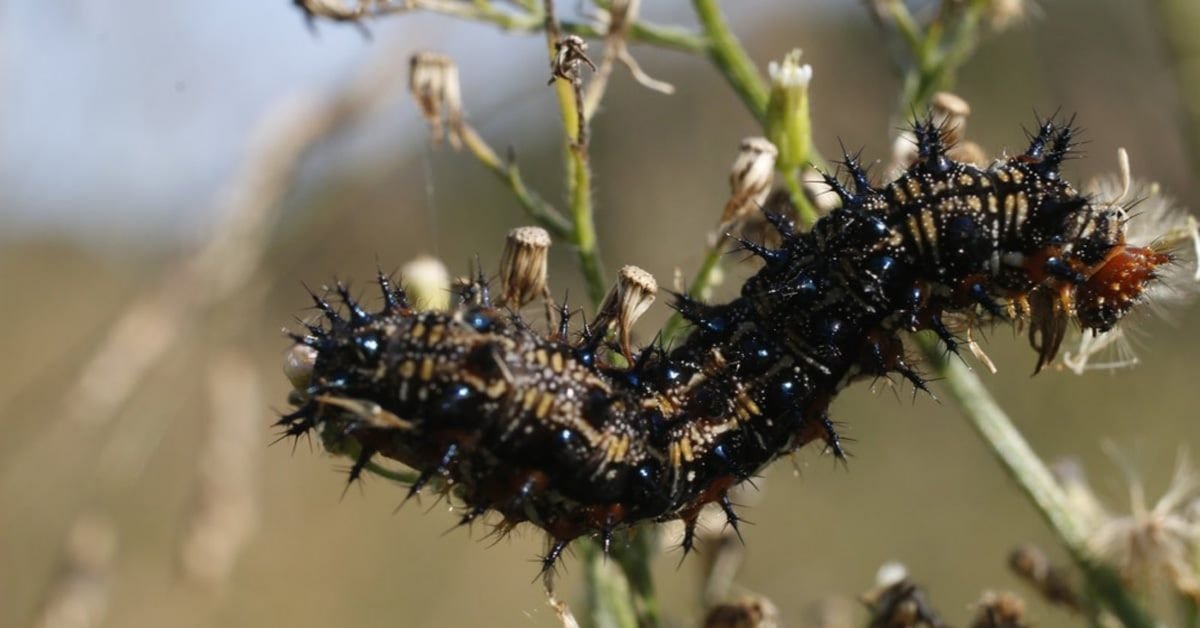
[
  {"x": 897, "y": 602},
  {"x": 433, "y": 82},
  {"x": 1158, "y": 541},
  {"x": 628, "y": 299},
  {"x": 1151, "y": 545},
  {"x": 427, "y": 283},
  {"x": 1032, "y": 565},
  {"x": 752, "y": 611},
  {"x": 999, "y": 610},
  {"x": 750, "y": 178},
  {"x": 569, "y": 53},
  {"x": 523, "y": 266}
]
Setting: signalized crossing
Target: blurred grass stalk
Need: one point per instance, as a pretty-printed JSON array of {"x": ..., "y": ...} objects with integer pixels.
[{"x": 1180, "y": 23}]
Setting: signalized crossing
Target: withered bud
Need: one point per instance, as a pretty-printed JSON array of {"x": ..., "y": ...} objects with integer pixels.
[
  {"x": 569, "y": 52},
  {"x": 298, "y": 365},
  {"x": 433, "y": 81},
  {"x": 523, "y": 266},
  {"x": 752, "y": 611},
  {"x": 427, "y": 283},
  {"x": 1031, "y": 564},
  {"x": 999, "y": 610},
  {"x": 898, "y": 601},
  {"x": 751, "y": 177},
  {"x": 1001, "y": 14},
  {"x": 632, "y": 295}
]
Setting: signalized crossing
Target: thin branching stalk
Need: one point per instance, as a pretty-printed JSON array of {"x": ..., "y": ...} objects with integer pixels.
[
  {"x": 579, "y": 174},
  {"x": 507, "y": 171},
  {"x": 731, "y": 59},
  {"x": 1027, "y": 469},
  {"x": 532, "y": 20}
]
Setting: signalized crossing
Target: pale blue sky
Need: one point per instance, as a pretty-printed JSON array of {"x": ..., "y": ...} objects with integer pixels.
[{"x": 122, "y": 116}]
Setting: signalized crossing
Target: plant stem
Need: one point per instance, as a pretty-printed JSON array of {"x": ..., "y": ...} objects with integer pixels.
[
  {"x": 537, "y": 208},
  {"x": 533, "y": 21},
  {"x": 609, "y": 601},
  {"x": 731, "y": 59},
  {"x": 1180, "y": 23},
  {"x": 578, "y": 171},
  {"x": 804, "y": 208},
  {"x": 1035, "y": 480}
]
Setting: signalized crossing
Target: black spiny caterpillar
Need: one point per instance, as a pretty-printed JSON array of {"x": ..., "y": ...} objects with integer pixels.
[{"x": 544, "y": 428}]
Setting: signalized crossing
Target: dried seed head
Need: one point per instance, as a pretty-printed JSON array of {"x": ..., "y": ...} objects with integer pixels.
[
  {"x": 523, "y": 266},
  {"x": 632, "y": 295},
  {"x": 569, "y": 52},
  {"x": 298, "y": 365},
  {"x": 750, "y": 178},
  {"x": 999, "y": 610},
  {"x": 427, "y": 283},
  {"x": 1159, "y": 541},
  {"x": 1031, "y": 564},
  {"x": 433, "y": 81},
  {"x": 752, "y": 611},
  {"x": 898, "y": 601}
]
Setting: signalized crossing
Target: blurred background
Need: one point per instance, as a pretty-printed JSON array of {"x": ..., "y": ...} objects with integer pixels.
[{"x": 171, "y": 172}]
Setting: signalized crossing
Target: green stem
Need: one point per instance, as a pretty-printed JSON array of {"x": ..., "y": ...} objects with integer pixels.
[
  {"x": 508, "y": 172},
  {"x": 804, "y": 208},
  {"x": 700, "y": 284},
  {"x": 404, "y": 477},
  {"x": 1180, "y": 23},
  {"x": 731, "y": 59},
  {"x": 1035, "y": 480},
  {"x": 609, "y": 601}
]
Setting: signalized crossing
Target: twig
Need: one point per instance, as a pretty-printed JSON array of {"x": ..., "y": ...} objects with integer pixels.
[
  {"x": 532, "y": 22},
  {"x": 507, "y": 171}
]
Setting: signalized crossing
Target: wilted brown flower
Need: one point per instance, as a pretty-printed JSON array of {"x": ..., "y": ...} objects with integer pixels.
[
  {"x": 754, "y": 611},
  {"x": 999, "y": 610},
  {"x": 628, "y": 299},
  {"x": 750, "y": 178},
  {"x": 433, "y": 82},
  {"x": 523, "y": 266}
]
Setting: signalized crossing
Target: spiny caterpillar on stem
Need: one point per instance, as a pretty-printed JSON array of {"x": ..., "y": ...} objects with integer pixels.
[{"x": 582, "y": 439}]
